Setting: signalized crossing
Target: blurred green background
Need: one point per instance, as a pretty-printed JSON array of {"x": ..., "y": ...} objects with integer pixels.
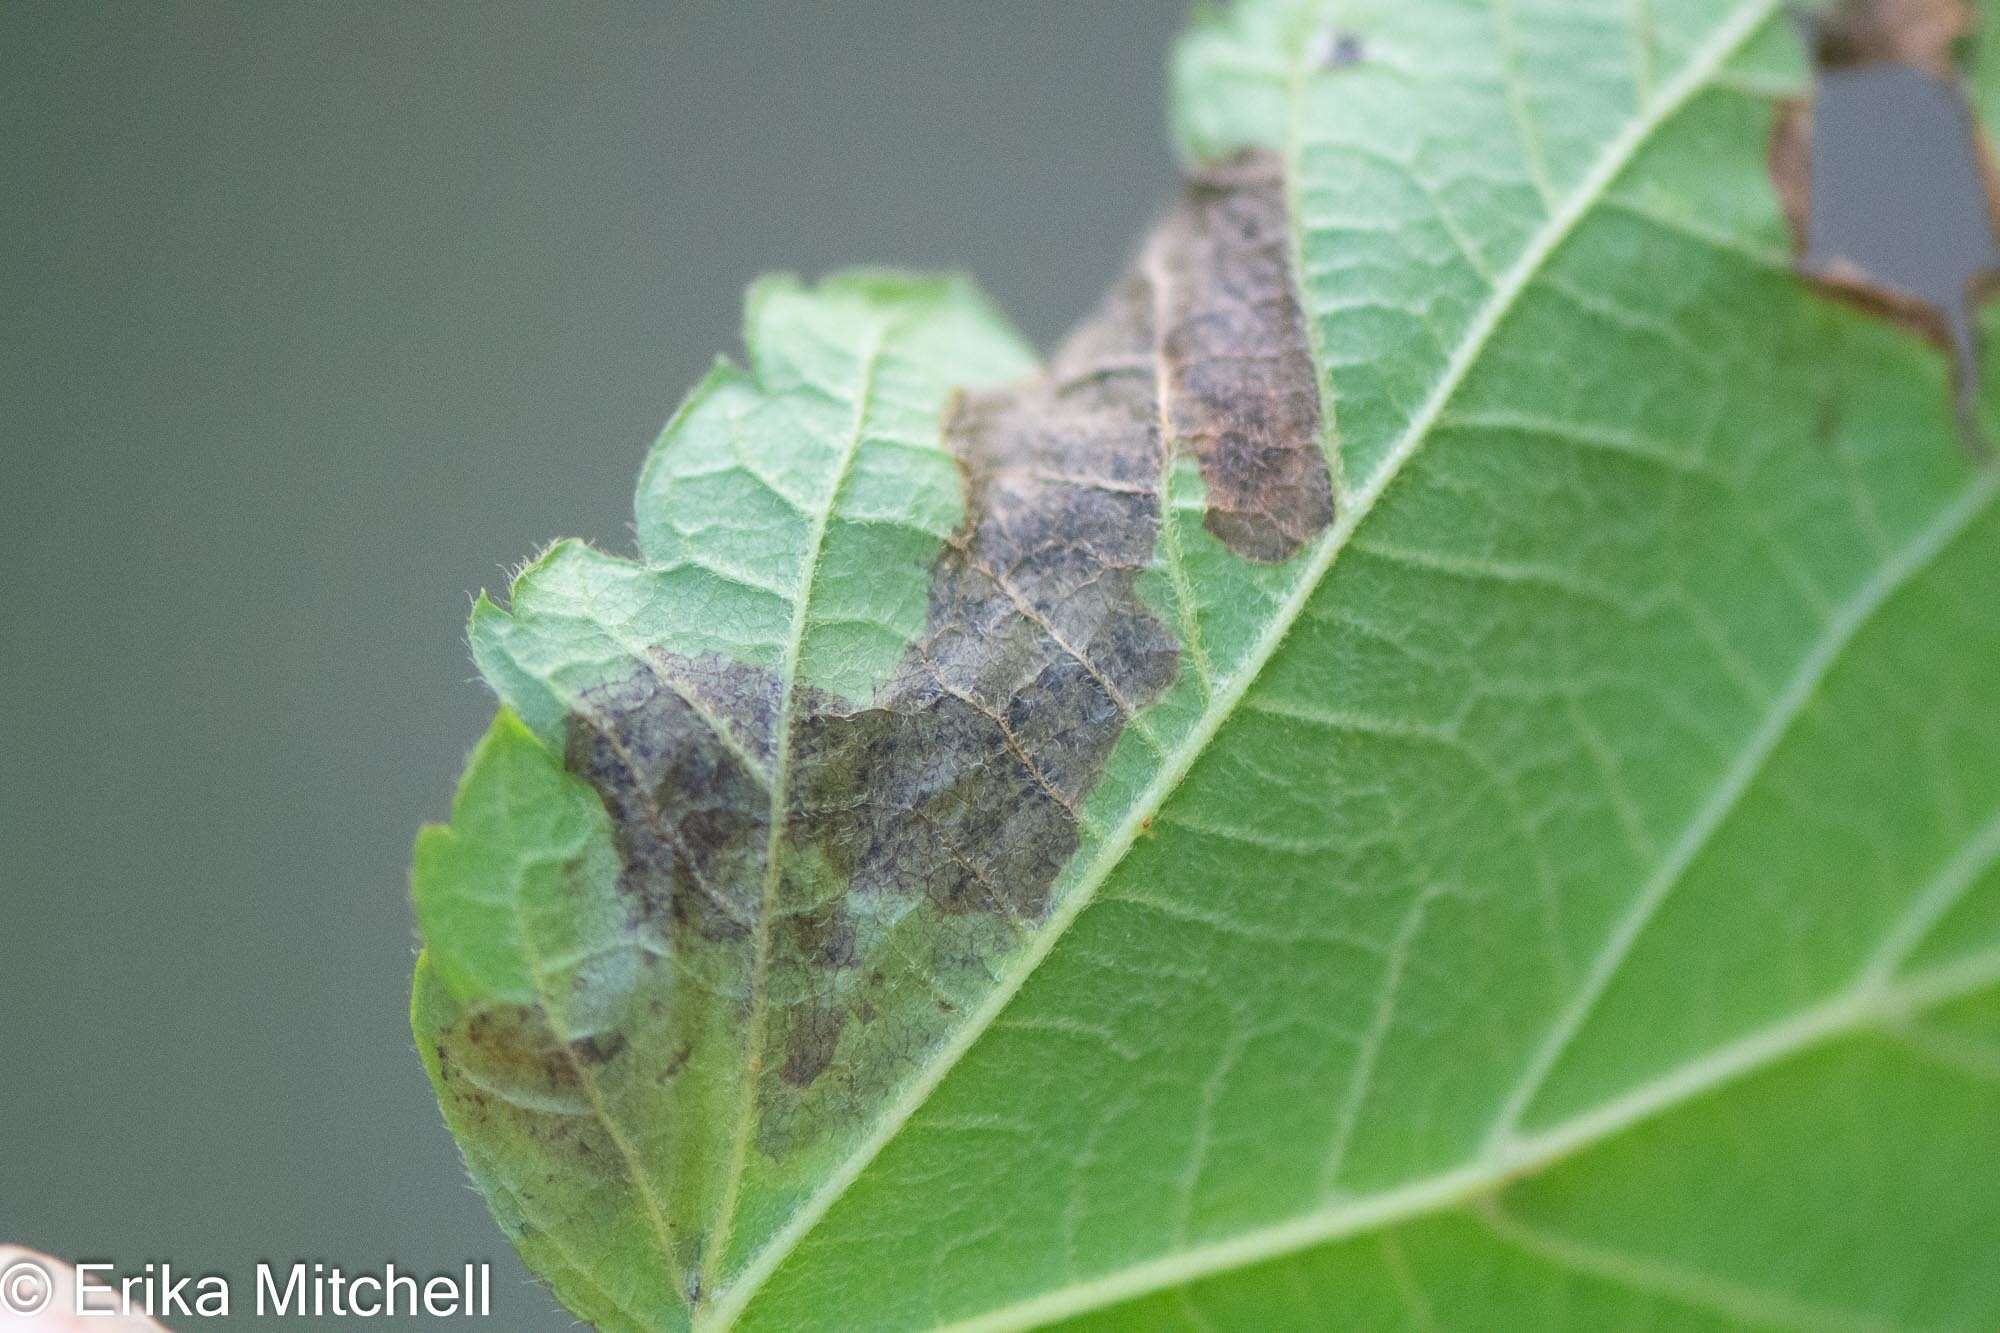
[{"x": 313, "y": 318}]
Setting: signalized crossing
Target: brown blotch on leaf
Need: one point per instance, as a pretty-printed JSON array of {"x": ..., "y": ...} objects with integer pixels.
[
  {"x": 956, "y": 788},
  {"x": 961, "y": 781},
  {"x": 1241, "y": 391},
  {"x": 510, "y": 1049}
]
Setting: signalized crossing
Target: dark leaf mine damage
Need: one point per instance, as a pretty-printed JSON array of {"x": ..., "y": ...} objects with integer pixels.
[
  {"x": 924, "y": 829},
  {"x": 1240, "y": 389},
  {"x": 1886, "y": 179}
]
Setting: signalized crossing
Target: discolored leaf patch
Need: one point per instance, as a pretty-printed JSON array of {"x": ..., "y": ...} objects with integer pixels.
[
  {"x": 804, "y": 890},
  {"x": 1238, "y": 380},
  {"x": 957, "y": 787}
]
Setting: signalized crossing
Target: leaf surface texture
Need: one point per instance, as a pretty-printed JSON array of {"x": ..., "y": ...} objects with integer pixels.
[{"x": 1435, "y": 768}]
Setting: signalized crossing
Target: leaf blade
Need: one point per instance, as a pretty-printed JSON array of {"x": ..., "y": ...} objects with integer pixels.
[
  {"x": 1595, "y": 605},
  {"x": 1753, "y": 243}
]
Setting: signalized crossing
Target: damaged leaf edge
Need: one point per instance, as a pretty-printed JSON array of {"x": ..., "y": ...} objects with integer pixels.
[{"x": 1937, "y": 39}]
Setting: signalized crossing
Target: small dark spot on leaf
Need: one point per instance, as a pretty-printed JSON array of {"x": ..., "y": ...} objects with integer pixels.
[
  {"x": 821, "y": 939},
  {"x": 511, "y": 1047},
  {"x": 599, "y": 1049},
  {"x": 1336, "y": 49}
]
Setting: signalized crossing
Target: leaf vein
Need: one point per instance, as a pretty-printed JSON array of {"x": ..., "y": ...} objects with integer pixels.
[{"x": 1791, "y": 704}]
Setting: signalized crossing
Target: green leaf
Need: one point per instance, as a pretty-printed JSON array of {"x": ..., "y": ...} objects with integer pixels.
[{"x": 1437, "y": 768}]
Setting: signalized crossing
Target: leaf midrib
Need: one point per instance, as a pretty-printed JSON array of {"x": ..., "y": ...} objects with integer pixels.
[{"x": 1703, "y": 65}]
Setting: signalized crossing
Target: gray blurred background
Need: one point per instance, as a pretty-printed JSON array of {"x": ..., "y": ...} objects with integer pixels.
[{"x": 313, "y": 318}]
